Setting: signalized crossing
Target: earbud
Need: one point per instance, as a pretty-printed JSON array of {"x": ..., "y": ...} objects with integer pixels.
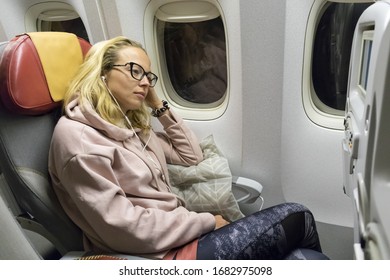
[{"x": 103, "y": 79}]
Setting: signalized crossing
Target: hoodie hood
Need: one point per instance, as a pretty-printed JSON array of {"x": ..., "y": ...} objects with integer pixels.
[{"x": 87, "y": 115}]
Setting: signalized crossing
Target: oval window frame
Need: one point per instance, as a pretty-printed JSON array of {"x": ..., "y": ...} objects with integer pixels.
[
  {"x": 318, "y": 112},
  {"x": 188, "y": 110},
  {"x": 50, "y": 11}
]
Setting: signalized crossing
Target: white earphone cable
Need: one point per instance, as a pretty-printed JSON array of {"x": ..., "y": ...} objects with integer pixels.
[{"x": 124, "y": 115}]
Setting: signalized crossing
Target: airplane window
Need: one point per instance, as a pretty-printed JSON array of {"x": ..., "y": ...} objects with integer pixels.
[
  {"x": 194, "y": 55},
  {"x": 331, "y": 52},
  {"x": 63, "y": 21},
  {"x": 54, "y": 16}
]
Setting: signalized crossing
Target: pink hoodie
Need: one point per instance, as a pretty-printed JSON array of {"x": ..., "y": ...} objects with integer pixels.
[{"x": 118, "y": 193}]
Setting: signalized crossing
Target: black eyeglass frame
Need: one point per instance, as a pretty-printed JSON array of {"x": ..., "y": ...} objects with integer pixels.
[{"x": 152, "y": 78}]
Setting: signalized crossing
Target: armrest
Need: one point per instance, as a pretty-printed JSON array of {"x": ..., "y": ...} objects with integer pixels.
[{"x": 246, "y": 190}]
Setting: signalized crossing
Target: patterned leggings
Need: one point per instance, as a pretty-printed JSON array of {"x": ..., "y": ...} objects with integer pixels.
[{"x": 283, "y": 231}]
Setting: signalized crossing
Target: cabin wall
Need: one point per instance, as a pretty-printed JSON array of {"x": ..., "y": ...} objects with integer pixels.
[
  {"x": 262, "y": 37},
  {"x": 12, "y": 18},
  {"x": 311, "y": 155}
]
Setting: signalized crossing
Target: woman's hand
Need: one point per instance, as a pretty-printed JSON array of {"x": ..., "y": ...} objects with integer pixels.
[
  {"x": 220, "y": 221},
  {"x": 152, "y": 99}
]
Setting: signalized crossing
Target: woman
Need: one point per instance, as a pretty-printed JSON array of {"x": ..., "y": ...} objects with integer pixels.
[{"x": 109, "y": 171}]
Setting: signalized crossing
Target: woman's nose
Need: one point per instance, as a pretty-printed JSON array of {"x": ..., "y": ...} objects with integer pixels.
[{"x": 144, "y": 81}]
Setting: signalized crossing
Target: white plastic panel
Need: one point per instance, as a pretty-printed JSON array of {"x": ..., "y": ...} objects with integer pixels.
[
  {"x": 365, "y": 146},
  {"x": 187, "y": 11}
]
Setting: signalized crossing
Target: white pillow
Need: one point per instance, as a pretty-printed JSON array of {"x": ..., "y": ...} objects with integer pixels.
[{"x": 206, "y": 187}]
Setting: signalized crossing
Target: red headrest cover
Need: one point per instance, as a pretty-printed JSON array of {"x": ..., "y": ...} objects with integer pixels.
[{"x": 24, "y": 86}]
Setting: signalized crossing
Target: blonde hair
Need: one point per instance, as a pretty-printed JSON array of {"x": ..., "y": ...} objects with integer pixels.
[{"x": 88, "y": 84}]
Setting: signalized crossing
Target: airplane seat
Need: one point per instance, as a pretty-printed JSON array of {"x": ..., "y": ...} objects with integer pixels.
[
  {"x": 34, "y": 71},
  {"x": 365, "y": 148},
  {"x": 17, "y": 241},
  {"x": 14, "y": 244}
]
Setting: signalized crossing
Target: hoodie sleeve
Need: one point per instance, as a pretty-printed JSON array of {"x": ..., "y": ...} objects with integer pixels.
[
  {"x": 179, "y": 143},
  {"x": 108, "y": 215}
]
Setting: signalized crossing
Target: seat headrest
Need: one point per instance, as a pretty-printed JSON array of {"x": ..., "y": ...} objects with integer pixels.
[{"x": 36, "y": 68}]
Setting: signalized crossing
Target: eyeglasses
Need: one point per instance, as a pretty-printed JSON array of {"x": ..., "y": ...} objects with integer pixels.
[{"x": 138, "y": 73}]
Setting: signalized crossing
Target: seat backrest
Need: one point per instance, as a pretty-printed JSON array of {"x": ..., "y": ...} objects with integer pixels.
[
  {"x": 35, "y": 69},
  {"x": 366, "y": 151}
]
